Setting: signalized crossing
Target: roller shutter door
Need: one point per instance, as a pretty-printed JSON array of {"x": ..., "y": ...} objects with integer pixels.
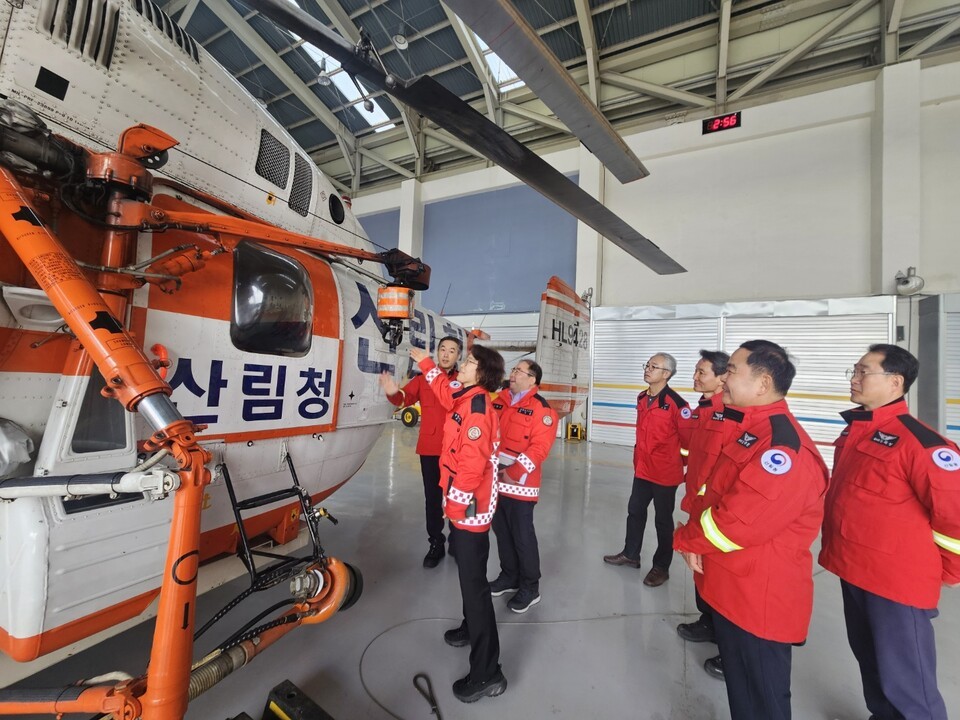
[
  {"x": 822, "y": 347},
  {"x": 951, "y": 375},
  {"x": 620, "y": 348}
]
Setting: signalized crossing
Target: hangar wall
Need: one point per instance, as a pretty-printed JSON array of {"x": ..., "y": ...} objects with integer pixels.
[{"x": 824, "y": 195}]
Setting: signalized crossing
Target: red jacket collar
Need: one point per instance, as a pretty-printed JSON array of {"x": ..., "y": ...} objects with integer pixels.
[{"x": 882, "y": 413}]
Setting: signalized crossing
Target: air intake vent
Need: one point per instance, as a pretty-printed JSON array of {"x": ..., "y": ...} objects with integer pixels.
[
  {"x": 86, "y": 26},
  {"x": 168, "y": 27},
  {"x": 273, "y": 160},
  {"x": 302, "y": 186}
]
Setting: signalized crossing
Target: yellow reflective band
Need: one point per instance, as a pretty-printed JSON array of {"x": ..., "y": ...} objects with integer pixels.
[
  {"x": 946, "y": 542},
  {"x": 713, "y": 534},
  {"x": 702, "y": 490}
]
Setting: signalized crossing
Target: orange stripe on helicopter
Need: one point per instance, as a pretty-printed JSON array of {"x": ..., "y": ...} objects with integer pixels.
[
  {"x": 563, "y": 306},
  {"x": 559, "y": 286}
]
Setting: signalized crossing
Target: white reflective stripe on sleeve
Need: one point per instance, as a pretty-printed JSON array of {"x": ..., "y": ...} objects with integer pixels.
[
  {"x": 431, "y": 375},
  {"x": 946, "y": 542},
  {"x": 518, "y": 490},
  {"x": 713, "y": 534},
  {"x": 459, "y": 496},
  {"x": 527, "y": 463}
]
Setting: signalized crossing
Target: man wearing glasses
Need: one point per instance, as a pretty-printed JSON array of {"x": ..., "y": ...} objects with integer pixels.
[
  {"x": 658, "y": 469},
  {"x": 528, "y": 427},
  {"x": 892, "y": 534},
  {"x": 430, "y": 442},
  {"x": 761, "y": 511}
]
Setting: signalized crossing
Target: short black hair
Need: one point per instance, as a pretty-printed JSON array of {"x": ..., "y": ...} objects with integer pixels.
[
  {"x": 898, "y": 361},
  {"x": 770, "y": 357},
  {"x": 718, "y": 360},
  {"x": 453, "y": 339},
  {"x": 533, "y": 369},
  {"x": 489, "y": 367}
]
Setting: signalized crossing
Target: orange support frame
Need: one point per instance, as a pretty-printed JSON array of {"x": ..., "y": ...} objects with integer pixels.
[{"x": 131, "y": 378}]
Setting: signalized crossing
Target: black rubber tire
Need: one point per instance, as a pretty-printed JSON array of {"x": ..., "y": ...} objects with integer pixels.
[{"x": 410, "y": 416}]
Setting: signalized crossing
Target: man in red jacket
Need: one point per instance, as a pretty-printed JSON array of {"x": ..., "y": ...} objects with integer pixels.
[
  {"x": 892, "y": 533},
  {"x": 658, "y": 469},
  {"x": 703, "y": 434},
  {"x": 528, "y": 427},
  {"x": 761, "y": 511},
  {"x": 429, "y": 443}
]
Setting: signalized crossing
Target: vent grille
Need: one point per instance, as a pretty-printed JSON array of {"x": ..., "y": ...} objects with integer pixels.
[
  {"x": 164, "y": 24},
  {"x": 273, "y": 160},
  {"x": 302, "y": 186},
  {"x": 86, "y": 26}
]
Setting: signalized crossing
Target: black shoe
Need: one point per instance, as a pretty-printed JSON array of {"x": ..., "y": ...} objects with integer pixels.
[
  {"x": 434, "y": 554},
  {"x": 458, "y": 637},
  {"x": 714, "y": 667},
  {"x": 523, "y": 601},
  {"x": 468, "y": 691},
  {"x": 697, "y": 632},
  {"x": 502, "y": 585}
]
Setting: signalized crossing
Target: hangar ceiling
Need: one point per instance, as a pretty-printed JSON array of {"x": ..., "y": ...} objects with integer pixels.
[{"x": 645, "y": 63}]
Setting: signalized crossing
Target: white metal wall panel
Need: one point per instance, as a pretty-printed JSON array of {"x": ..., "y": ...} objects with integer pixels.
[
  {"x": 951, "y": 375},
  {"x": 620, "y": 348},
  {"x": 822, "y": 347}
]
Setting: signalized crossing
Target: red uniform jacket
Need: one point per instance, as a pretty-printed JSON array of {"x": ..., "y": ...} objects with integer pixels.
[
  {"x": 470, "y": 453},
  {"x": 892, "y": 524},
  {"x": 432, "y": 414},
  {"x": 527, "y": 431},
  {"x": 763, "y": 509},
  {"x": 703, "y": 432},
  {"x": 656, "y": 456}
]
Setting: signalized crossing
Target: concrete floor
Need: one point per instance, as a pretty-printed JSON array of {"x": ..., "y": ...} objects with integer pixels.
[{"x": 599, "y": 645}]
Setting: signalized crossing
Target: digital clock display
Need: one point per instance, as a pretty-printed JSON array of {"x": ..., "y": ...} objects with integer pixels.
[{"x": 721, "y": 122}]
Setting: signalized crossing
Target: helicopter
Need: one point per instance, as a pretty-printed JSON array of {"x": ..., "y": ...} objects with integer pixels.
[{"x": 192, "y": 326}]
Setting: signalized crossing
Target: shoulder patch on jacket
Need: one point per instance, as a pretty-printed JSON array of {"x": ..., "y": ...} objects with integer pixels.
[
  {"x": 478, "y": 403},
  {"x": 675, "y": 396},
  {"x": 927, "y": 437},
  {"x": 784, "y": 433},
  {"x": 542, "y": 400}
]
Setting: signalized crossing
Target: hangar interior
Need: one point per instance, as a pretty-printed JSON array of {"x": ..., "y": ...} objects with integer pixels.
[{"x": 797, "y": 225}]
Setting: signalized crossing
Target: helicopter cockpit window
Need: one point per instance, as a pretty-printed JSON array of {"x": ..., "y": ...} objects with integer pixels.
[
  {"x": 272, "y": 302},
  {"x": 101, "y": 424}
]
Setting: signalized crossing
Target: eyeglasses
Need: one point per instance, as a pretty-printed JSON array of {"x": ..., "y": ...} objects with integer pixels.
[
  {"x": 651, "y": 366},
  {"x": 852, "y": 373},
  {"x": 470, "y": 360},
  {"x": 521, "y": 370}
]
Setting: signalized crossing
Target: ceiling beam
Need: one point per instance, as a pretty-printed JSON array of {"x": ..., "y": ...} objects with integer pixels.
[
  {"x": 340, "y": 19},
  {"x": 448, "y": 139},
  {"x": 932, "y": 39},
  {"x": 647, "y": 88},
  {"x": 188, "y": 12},
  {"x": 893, "y": 19},
  {"x": 389, "y": 164},
  {"x": 843, "y": 19},
  {"x": 540, "y": 118},
  {"x": 175, "y": 6},
  {"x": 585, "y": 20},
  {"x": 491, "y": 92},
  {"x": 723, "y": 53},
  {"x": 235, "y": 22}
]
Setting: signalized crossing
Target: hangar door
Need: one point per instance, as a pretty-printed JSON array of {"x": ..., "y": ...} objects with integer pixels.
[
  {"x": 824, "y": 337},
  {"x": 951, "y": 368}
]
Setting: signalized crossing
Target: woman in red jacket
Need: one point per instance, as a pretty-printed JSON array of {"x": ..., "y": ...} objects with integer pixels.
[{"x": 468, "y": 479}]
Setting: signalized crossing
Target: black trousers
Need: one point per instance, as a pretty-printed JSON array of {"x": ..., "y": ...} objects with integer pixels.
[
  {"x": 757, "y": 673},
  {"x": 664, "y": 500},
  {"x": 432, "y": 497},
  {"x": 894, "y": 645},
  {"x": 473, "y": 549},
  {"x": 706, "y": 612},
  {"x": 517, "y": 542}
]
